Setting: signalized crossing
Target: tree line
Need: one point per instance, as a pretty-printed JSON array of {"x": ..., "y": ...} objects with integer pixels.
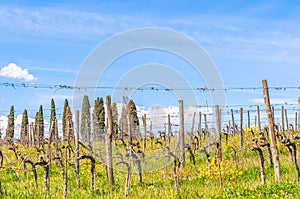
[{"x": 92, "y": 123}]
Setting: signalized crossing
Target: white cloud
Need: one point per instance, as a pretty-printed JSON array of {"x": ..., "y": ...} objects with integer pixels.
[
  {"x": 16, "y": 72},
  {"x": 276, "y": 101},
  {"x": 63, "y": 21},
  {"x": 18, "y": 124},
  {"x": 62, "y": 69},
  {"x": 3, "y": 123},
  {"x": 242, "y": 37}
]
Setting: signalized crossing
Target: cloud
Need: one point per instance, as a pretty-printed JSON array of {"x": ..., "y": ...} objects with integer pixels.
[
  {"x": 18, "y": 124},
  {"x": 243, "y": 37},
  {"x": 54, "y": 69},
  {"x": 61, "y": 21},
  {"x": 276, "y": 101},
  {"x": 16, "y": 72}
]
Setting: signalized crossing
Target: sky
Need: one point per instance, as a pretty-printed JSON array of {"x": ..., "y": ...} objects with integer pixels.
[{"x": 44, "y": 44}]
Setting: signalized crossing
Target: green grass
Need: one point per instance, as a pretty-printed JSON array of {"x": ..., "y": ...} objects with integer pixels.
[{"x": 194, "y": 181}]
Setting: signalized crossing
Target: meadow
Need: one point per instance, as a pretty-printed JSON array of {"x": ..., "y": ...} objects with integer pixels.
[{"x": 239, "y": 172}]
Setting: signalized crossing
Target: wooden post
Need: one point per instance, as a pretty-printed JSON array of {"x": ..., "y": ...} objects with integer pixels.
[
  {"x": 192, "y": 135},
  {"x": 192, "y": 129},
  {"x": 50, "y": 140},
  {"x": 169, "y": 128},
  {"x": 233, "y": 124},
  {"x": 88, "y": 136},
  {"x": 282, "y": 118},
  {"x": 151, "y": 133},
  {"x": 56, "y": 133},
  {"x": 109, "y": 133},
  {"x": 255, "y": 120},
  {"x": 145, "y": 131},
  {"x": 66, "y": 173},
  {"x": 218, "y": 116},
  {"x": 258, "y": 119},
  {"x": 129, "y": 127},
  {"x": 227, "y": 133},
  {"x": 38, "y": 135},
  {"x": 52, "y": 137},
  {"x": 32, "y": 134},
  {"x": 67, "y": 137},
  {"x": 181, "y": 132},
  {"x": 272, "y": 131},
  {"x": 199, "y": 124},
  {"x": 205, "y": 123},
  {"x": 122, "y": 124},
  {"x": 241, "y": 129},
  {"x": 298, "y": 113},
  {"x": 296, "y": 122},
  {"x": 249, "y": 123},
  {"x": 219, "y": 144},
  {"x": 29, "y": 135},
  {"x": 76, "y": 153},
  {"x": 286, "y": 120}
]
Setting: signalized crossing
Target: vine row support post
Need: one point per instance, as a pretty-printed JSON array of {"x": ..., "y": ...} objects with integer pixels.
[{"x": 273, "y": 143}]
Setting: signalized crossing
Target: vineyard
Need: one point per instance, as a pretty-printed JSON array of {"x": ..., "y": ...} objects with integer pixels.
[{"x": 98, "y": 156}]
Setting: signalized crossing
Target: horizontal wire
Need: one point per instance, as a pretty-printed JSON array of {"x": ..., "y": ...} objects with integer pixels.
[{"x": 60, "y": 86}]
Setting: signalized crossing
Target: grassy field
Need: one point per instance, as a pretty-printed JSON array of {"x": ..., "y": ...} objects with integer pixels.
[{"x": 240, "y": 177}]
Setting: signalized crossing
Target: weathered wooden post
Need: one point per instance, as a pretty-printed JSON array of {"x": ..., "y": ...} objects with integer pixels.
[
  {"x": 233, "y": 124},
  {"x": 38, "y": 135},
  {"x": 298, "y": 113},
  {"x": 282, "y": 118},
  {"x": 286, "y": 120},
  {"x": 151, "y": 133},
  {"x": 192, "y": 129},
  {"x": 218, "y": 117},
  {"x": 50, "y": 140},
  {"x": 88, "y": 136},
  {"x": 181, "y": 132},
  {"x": 26, "y": 139},
  {"x": 296, "y": 121},
  {"x": 169, "y": 128},
  {"x": 66, "y": 174},
  {"x": 76, "y": 153},
  {"x": 219, "y": 144},
  {"x": 199, "y": 124},
  {"x": 241, "y": 129},
  {"x": 29, "y": 135},
  {"x": 32, "y": 134},
  {"x": 56, "y": 134},
  {"x": 249, "y": 122},
  {"x": 108, "y": 143},
  {"x": 145, "y": 131},
  {"x": 272, "y": 131},
  {"x": 258, "y": 119},
  {"x": 205, "y": 125},
  {"x": 129, "y": 127}
]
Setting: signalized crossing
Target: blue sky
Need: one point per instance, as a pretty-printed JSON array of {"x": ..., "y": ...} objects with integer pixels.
[{"x": 247, "y": 40}]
